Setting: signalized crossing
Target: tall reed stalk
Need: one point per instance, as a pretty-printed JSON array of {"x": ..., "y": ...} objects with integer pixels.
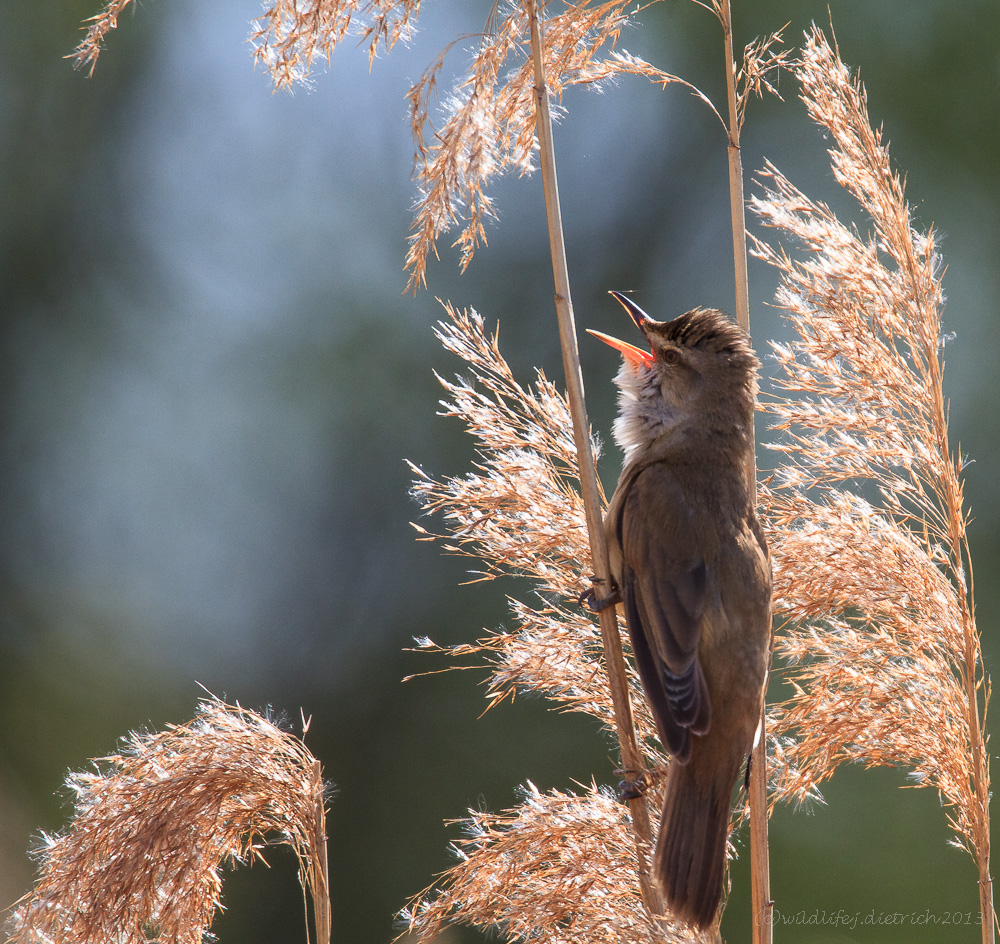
[
  {"x": 760, "y": 873},
  {"x": 614, "y": 662}
]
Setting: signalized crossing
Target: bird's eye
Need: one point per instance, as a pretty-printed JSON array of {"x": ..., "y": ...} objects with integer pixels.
[{"x": 670, "y": 356}]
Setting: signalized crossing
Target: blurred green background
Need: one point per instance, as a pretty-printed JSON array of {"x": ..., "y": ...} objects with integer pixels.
[{"x": 211, "y": 379}]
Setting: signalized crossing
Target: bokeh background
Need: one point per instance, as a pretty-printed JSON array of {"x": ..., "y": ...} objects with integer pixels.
[{"x": 211, "y": 378}]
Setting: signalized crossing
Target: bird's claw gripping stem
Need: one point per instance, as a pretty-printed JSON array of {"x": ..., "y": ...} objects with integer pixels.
[
  {"x": 590, "y": 599},
  {"x": 634, "y": 785}
]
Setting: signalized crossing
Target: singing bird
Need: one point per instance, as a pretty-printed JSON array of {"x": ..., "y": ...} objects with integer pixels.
[{"x": 689, "y": 563}]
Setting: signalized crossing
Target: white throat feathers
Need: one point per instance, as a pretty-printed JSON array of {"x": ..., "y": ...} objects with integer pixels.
[{"x": 643, "y": 414}]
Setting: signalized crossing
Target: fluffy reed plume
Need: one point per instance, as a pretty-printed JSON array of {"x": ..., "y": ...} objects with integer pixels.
[
  {"x": 559, "y": 868},
  {"x": 520, "y": 513},
  {"x": 489, "y": 125},
  {"x": 489, "y": 119},
  {"x": 290, "y": 34},
  {"x": 872, "y": 575},
  {"x": 154, "y": 824}
]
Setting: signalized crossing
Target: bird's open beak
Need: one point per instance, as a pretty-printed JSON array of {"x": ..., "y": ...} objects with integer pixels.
[{"x": 631, "y": 353}]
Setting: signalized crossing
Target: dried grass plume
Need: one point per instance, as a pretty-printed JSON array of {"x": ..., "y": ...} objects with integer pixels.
[
  {"x": 560, "y": 867},
  {"x": 154, "y": 824},
  {"x": 872, "y": 575},
  {"x": 520, "y": 513},
  {"x": 290, "y": 34},
  {"x": 489, "y": 118}
]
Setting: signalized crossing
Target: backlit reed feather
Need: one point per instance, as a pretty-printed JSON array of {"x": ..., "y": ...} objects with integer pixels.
[
  {"x": 520, "y": 513},
  {"x": 488, "y": 120},
  {"x": 872, "y": 578},
  {"x": 153, "y": 825},
  {"x": 290, "y": 34},
  {"x": 559, "y": 868}
]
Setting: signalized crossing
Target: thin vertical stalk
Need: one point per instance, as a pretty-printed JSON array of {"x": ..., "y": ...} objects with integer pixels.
[
  {"x": 961, "y": 564},
  {"x": 760, "y": 873},
  {"x": 736, "y": 177},
  {"x": 980, "y": 778},
  {"x": 760, "y": 877},
  {"x": 614, "y": 662},
  {"x": 321, "y": 896}
]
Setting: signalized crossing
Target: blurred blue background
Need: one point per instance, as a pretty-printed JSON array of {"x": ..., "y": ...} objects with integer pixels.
[{"x": 211, "y": 379}]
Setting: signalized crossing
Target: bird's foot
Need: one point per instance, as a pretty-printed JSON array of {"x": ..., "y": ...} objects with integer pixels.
[
  {"x": 595, "y": 601},
  {"x": 634, "y": 785}
]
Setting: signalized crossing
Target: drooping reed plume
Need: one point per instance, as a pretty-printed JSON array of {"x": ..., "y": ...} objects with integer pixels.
[
  {"x": 487, "y": 125},
  {"x": 154, "y": 824},
  {"x": 519, "y": 513},
  {"x": 290, "y": 34},
  {"x": 867, "y": 521},
  {"x": 560, "y": 867}
]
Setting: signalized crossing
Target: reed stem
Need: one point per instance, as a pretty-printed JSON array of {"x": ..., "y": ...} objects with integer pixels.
[
  {"x": 321, "y": 895},
  {"x": 760, "y": 879},
  {"x": 614, "y": 661}
]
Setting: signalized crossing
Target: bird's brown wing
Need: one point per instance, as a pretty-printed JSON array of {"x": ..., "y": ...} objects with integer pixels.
[{"x": 663, "y": 587}]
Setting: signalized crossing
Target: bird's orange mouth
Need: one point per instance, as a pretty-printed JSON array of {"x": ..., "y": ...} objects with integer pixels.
[{"x": 632, "y": 354}]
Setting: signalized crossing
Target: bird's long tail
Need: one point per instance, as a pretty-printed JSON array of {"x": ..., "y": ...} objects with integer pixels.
[{"x": 690, "y": 855}]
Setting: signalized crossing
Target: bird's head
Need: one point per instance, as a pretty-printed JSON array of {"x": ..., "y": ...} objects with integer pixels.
[{"x": 699, "y": 374}]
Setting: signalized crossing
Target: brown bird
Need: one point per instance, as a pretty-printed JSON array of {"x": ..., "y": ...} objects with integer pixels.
[{"x": 689, "y": 562}]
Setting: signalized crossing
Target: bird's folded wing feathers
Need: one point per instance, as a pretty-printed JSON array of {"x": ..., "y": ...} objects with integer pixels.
[{"x": 664, "y": 588}]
